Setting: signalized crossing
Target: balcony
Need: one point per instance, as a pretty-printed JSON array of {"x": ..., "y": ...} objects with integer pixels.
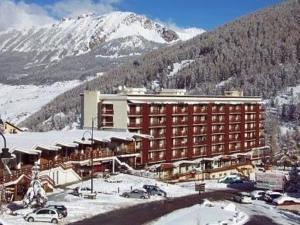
[
  {"x": 156, "y": 159},
  {"x": 250, "y": 128},
  {"x": 158, "y": 135},
  {"x": 218, "y": 140},
  {"x": 133, "y": 112},
  {"x": 180, "y": 133},
  {"x": 179, "y": 156},
  {"x": 180, "y": 122},
  {"x": 179, "y": 145},
  {"x": 250, "y": 138},
  {"x": 157, "y": 112},
  {"x": 218, "y": 110},
  {"x": 107, "y": 111},
  {"x": 134, "y": 124},
  {"x": 250, "y": 109},
  {"x": 218, "y": 130},
  {"x": 157, "y": 147},
  {"x": 107, "y": 124},
  {"x": 180, "y": 111},
  {"x": 233, "y": 139},
  {"x": 200, "y": 121},
  {"x": 200, "y": 110},
  {"x": 201, "y": 131},
  {"x": 235, "y": 129},
  {"x": 234, "y": 110},
  {"x": 218, "y": 120},
  {"x": 248, "y": 119},
  {"x": 157, "y": 124}
]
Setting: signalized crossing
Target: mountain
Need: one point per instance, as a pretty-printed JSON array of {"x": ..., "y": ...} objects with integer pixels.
[
  {"x": 258, "y": 53},
  {"x": 40, "y": 63},
  {"x": 77, "y": 48}
]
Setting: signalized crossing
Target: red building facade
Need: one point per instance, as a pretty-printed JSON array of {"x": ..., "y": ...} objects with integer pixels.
[{"x": 185, "y": 127}]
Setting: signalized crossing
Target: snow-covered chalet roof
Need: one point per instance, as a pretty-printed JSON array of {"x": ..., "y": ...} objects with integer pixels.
[{"x": 30, "y": 142}]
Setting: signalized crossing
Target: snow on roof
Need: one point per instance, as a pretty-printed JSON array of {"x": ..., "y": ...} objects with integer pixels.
[
  {"x": 26, "y": 151},
  {"x": 28, "y": 141}
]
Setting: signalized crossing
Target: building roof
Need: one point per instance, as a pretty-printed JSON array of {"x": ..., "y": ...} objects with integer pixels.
[
  {"x": 30, "y": 142},
  {"x": 184, "y": 99},
  {"x": 14, "y": 126}
]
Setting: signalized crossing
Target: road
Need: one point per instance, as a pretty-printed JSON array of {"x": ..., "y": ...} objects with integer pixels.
[{"x": 144, "y": 213}]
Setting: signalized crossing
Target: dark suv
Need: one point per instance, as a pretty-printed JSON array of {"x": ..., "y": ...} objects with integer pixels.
[
  {"x": 154, "y": 190},
  {"x": 60, "y": 208}
]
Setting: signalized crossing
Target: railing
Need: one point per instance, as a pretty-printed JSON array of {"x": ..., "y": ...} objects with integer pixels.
[
  {"x": 158, "y": 135},
  {"x": 218, "y": 110},
  {"x": 200, "y": 121},
  {"x": 199, "y": 110},
  {"x": 235, "y": 120},
  {"x": 27, "y": 170},
  {"x": 134, "y": 124},
  {"x": 234, "y": 110},
  {"x": 218, "y": 120},
  {"x": 180, "y": 122},
  {"x": 132, "y": 112},
  {"x": 157, "y": 111},
  {"x": 156, "y": 147},
  {"x": 107, "y": 111},
  {"x": 109, "y": 124},
  {"x": 180, "y": 111},
  {"x": 229, "y": 167},
  {"x": 179, "y": 133},
  {"x": 179, "y": 156},
  {"x": 200, "y": 132},
  {"x": 180, "y": 144},
  {"x": 157, "y": 123}
]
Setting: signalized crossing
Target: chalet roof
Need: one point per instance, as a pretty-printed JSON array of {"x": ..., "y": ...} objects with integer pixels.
[
  {"x": 14, "y": 126},
  {"x": 53, "y": 140}
]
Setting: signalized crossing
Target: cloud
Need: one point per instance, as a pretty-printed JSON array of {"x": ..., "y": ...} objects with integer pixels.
[
  {"x": 73, "y": 8},
  {"x": 22, "y": 15}
]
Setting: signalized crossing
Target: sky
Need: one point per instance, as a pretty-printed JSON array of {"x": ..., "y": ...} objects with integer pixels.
[{"x": 206, "y": 14}]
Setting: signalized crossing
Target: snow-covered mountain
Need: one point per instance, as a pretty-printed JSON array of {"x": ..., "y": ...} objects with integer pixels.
[
  {"x": 71, "y": 37},
  {"x": 39, "y": 63}
]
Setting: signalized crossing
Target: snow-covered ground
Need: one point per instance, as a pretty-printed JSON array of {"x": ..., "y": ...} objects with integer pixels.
[
  {"x": 108, "y": 197},
  {"x": 289, "y": 95},
  {"x": 179, "y": 66},
  {"x": 263, "y": 209},
  {"x": 208, "y": 213},
  {"x": 19, "y": 102}
]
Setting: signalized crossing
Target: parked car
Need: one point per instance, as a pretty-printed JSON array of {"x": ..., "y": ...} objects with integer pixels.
[
  {"x": 270, "y": 196},
  {"x": 44, "y": 215},
  {"x": 286, "y": 200},
  {"x": 231, "y": 179},
  {"x": 243, "y": 197},
  {"x": 136, "y": 193},
  {"x": 61, "y": 208},
  {"x": 258, "y": 194},
  {"x": 81, "y": 191},
  {"x": 154, "y": 190}
]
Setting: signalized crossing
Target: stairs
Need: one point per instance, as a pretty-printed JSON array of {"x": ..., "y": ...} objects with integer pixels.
[{"x": 123, "y": 163}]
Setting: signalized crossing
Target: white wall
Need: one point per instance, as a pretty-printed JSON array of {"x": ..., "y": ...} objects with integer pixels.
[
  {"x": 61, "y": 176},
  {"x": 91, "y": 99}
]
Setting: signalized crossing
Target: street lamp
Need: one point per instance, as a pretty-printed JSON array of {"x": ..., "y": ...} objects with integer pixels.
[
  {"x": 92, "y": 159},
  {"x": 5, "y": 156}
]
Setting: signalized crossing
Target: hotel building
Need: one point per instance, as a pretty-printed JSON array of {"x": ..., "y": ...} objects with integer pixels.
[{"x": 183, "y": 127}]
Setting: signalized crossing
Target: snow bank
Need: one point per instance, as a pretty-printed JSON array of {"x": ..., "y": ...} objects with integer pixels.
[{"x": 209, "y": 214}]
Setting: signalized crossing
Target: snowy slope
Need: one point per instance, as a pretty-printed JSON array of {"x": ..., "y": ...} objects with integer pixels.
[
  {"x": 18, "y": 102},
  {"x": 80, "y": 35}
]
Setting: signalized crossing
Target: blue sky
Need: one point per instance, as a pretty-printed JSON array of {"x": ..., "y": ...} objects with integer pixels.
[{"x": 206, "y": 14}]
